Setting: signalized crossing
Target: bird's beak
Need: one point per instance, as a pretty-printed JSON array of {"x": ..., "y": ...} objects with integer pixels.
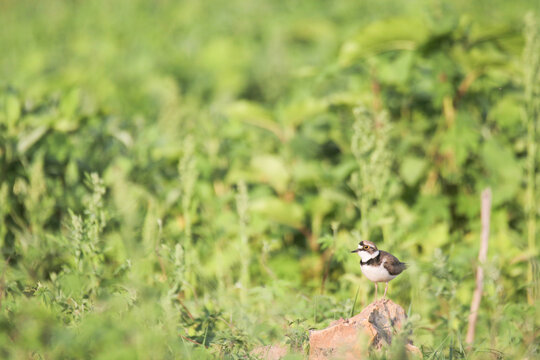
[{"x": 355, "y": 250}]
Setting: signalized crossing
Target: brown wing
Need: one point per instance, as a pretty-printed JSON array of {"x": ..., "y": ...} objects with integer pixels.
[{"x": 393, "y": 265}]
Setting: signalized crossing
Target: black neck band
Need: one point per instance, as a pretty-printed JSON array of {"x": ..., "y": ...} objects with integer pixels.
[{"x": 371, "y": 261}]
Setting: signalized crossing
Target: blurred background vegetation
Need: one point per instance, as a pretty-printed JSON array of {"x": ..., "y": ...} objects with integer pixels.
[{"x": 186, "y": 179}]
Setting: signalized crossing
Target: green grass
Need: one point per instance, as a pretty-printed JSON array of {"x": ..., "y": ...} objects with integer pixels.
[{"x": 187, "y": 179}]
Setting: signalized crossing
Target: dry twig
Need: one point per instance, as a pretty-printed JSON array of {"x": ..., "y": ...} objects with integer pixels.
[{"x": 482, "y": 255}]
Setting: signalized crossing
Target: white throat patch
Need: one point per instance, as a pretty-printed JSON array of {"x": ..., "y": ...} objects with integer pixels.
[{"x": 367, "y": 256}]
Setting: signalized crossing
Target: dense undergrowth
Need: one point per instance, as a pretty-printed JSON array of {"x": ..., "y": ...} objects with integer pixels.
[{"x": 186, "y": 179}]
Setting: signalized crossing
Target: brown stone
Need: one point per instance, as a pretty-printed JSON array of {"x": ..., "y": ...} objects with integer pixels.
[{"x": 352, "y": 338}]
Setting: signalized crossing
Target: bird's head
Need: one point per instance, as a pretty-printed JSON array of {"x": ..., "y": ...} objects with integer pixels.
[{"x": 366, "y": 250}]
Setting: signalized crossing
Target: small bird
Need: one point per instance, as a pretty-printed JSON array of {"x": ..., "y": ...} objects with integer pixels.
[{"x": 377, "y": 265}]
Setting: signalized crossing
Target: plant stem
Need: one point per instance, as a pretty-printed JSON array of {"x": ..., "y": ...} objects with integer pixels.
[
  {"x": 364, "y": 205},
  {"x": 482, "y": 256},
  {"x": 532, "y": 106},
  {"x": 242, "y": 209}
]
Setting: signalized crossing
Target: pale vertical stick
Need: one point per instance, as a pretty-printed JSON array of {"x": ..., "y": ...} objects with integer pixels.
[
  {"x": 242, "y": 209},
  {"x": 482, "y": 255}
]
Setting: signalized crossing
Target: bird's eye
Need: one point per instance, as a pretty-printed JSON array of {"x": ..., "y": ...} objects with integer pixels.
[{"x": 366, "y": 247}]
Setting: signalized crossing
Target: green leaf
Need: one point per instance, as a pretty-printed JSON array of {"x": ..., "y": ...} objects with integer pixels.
[
  {"x": 298, "y": 112},
  {"x": 462, "y": 140},
  {"x": 320, "y": 205},
  {"x": 504, "y": 173},
  {"x": 27, "y": 140},
  {"x": 70, "y": 103},
  {"x": 275, "y": 209},
  {"x": 507, "y": 113},
  {"x": 254, "y": 114},
  {"x": 438, "y": 236},
  {"x": 412, "y": 168},
  {"x": 396, "y": 71},
  {"x": 306, "y": 172},
  {"x": 13, "y": 109},
  {"x": 271, "y": 169},
  {"x": 399, "y": 33},
  {"x": 325, "y": 241}
]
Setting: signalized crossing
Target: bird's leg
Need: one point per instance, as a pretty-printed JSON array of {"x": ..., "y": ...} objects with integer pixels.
[
  {"x": 376, "y": 287},
  {"x": 385, "y": 289}
]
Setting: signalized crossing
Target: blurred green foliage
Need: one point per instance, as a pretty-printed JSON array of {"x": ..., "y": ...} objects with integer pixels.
[{"x": 186, "y": 179}]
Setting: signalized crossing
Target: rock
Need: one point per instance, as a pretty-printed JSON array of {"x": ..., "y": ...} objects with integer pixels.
[
  {"x": 352, "y": 338},
  {"x": 270, "y": 352}
]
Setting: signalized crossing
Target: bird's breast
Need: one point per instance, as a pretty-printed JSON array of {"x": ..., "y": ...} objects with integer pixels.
[{"x": 376, "y": 273}]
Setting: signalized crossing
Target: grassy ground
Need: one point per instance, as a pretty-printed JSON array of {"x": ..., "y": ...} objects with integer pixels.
[{"x": 187, "y": 179}]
